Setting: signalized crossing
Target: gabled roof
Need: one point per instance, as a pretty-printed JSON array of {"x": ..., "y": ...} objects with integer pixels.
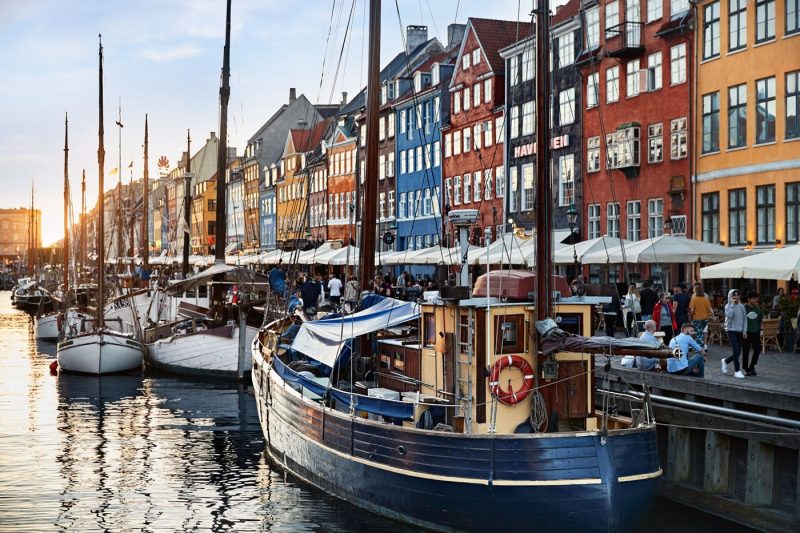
[
  {"x": 306, "y": 140},
  {"x": 493, "y": 35}
]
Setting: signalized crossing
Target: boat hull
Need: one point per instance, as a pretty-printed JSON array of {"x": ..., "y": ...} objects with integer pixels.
[
  {"x": 47, "y": 327},
  {"x": 212, "y": 353},
  {"x": 453, "y": 482},
  {"x": 100, "y": 354}
]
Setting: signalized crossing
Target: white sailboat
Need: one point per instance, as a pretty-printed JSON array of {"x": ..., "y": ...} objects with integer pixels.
[{"x": 102, "y": 351}]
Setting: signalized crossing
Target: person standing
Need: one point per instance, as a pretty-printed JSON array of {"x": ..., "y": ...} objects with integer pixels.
[
  {"x": 735, "y": 324},
  {"x": 752, "y": 334},
  {"x": 351, "y": 293},
  {"x": 335, "y": 289},
  {"x": 311, "y": 292},
  {"x": 633, "y": 310},
  {"x": 664, "y": 317},
  {"x": 648, "y": 298},
  {"x": 780, "y": 295},
  {"x": 699, "y": 312},
  {"x": 680, "y": 303}
]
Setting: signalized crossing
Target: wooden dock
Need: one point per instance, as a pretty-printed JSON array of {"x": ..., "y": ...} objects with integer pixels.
[{"x": 730, "y": 447}]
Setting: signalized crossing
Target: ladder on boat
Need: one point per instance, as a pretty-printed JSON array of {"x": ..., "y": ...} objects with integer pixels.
[{"x": 465, "y": 335}]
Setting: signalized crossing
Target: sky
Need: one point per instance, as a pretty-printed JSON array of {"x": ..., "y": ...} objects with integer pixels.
[{"x": 164, "y": 58}]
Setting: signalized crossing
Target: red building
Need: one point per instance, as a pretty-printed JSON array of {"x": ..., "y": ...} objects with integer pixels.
[
  {"x": 473, "y": 140},
  {"x": 637, "y": 75}
]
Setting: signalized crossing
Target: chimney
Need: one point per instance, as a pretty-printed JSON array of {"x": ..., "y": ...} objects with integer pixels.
[
  {"x": 213, "y": 135},
  {"x": 455, "y": 34},
  {"x": 292, "y": 95},
  {"x": 415, "y": 36},
  {"x": 344, "y": 97}
]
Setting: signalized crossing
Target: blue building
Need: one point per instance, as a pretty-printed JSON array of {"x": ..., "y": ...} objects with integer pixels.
[
  {"x": 420, "y": 112},
  {"x": 266, "y": 200},
  {"x": 234, "y": 211}
]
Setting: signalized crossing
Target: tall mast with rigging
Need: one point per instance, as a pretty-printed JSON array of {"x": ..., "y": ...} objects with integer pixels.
[
  {"x": 544, "y": 187},
  {"x": 119, "y": 185},
  {"x": 369, "y": 214},
  {"x": 144, "y": 239},
  {"x": 101, "y": 161},
  {"x": 187, "y": 204},
  {"x": 222, "y": 151},
  {"x": 83, "y": 221},
  {"x": 66, "y": 204}
]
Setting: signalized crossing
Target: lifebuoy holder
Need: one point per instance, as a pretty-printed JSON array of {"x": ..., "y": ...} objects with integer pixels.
[{"x": 511, "y": 397}]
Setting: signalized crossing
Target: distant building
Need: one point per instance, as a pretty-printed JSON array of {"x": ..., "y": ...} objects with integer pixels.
[{"x": 15, "y": 233}]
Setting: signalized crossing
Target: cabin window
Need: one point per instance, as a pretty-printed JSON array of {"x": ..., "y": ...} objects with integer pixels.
[
  {"x": 429, "y": 327},
  {"x": 400, "y": 361},
  {"x": 509, "y": 334}
]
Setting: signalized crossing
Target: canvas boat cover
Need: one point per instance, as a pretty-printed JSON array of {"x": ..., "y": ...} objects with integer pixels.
[{"x": 323, "y": 339}]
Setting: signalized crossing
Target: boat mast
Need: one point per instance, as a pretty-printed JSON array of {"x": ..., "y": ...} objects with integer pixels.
[
  {"x": 83, "y": 224},
  {"x": 66, "y": 204},
  {"x": 367, "y": 252},
  {"x": 101, "y": 160},
  {"x": 144, "y": 239},
  {"x": 119, "y": 184},
  {"x": 31, "y": 261},
  {"x": 187, "y": 201},
  {"x": 544, "y": 187},
  {"x": 222, "y": 151}
]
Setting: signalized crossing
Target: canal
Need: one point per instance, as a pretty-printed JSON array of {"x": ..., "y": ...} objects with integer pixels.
[{"x": 151, "y": 452}]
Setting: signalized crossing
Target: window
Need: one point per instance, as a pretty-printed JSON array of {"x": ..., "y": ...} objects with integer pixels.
[
  {"x": 499, "y": 125},
  {"x": 487, "y": 91},
  {"x": 737, "y": 216},
  {"x": 593, "y": 154},
  {"x": 678, "y": 7},
  {"x": 792, "y": 16},
  {"x": 710, "y": 217},
  {"x": 513, "y": 69},
  {"x": 457, "y": 190},
  {"x": 566, "y": 180},
  {"x": 467, "y": 140},
  {"x": 477, "y": 187},
  {"x": 437, "y": 110},
  {"x": 477, "y": 135},
  {"x": 633, "y": 220},
  {"x": 528, "y": 191},
  {"x": 711, "y": 30},
  {"x": 765, "y": 110},
  {"x": 410, "y": 153},
  {"x": 593, "y": 27},
  {"x": 793, "y": 212},
  {"x": 793, "y": 105},
  {"x": 677, "y": 64},
  {"x": 401, "y": 207},
  {"x": 566, "y": 107},
  {"x": 765, "y": 214},
  {"x": 527, "y": 118},
  {"x": 487, "y": 187},
  {"x": 427, "y": 205},
  {"x": 654, "y": 10},
  {"x": 448, "y": 191},
  {"x": 632, "y": 81},
  {"x": 436, "y": 201},
  {"x": 593, "y": 218},
  {"x": 737, "y": 24},
  {"x": 655, "y": 217},
  {"x": 456, "y": 143},
  {"x": 566, "y": 49},
  {"x": 437, "y": 154},
  {"x": 623, "y": 148},
  {"x": 737, "y": 116},
  {"x": 677, "y": 138},
  {"x": 612, "y": 17},
  {"x": 710, "y": 123},
  {"x": 382, "y": 167},
  {"x": 612, "y": 84},
  {"x": 465, "y": 60},
  {"x": 513, "y": 187},
  {"x": 612, "y": 219},
  {"x": 500, "y": 181},
  {"x": 448, "y": 145},
  {"x": 419, "y": 158},
  {"x": 592, "y": 95},
  {"x": 655, "y": 143},
  {"x": 487, "y": 133},
  {"x": 467, "y": 188},
  {"x": 467, "y": 100},
  {"x": 428, "y": 155},
  {"x": 765, "y": 20},
  {"x": 382, "y": 205},
  {"x": 513, "y": 127},
  {"x": 476, "y": 95},
  {"x": 382, "y": 128},
  {"x": 653, "y": 71},
  {"x": 476, "y": 56},
  {"x": 528, "y": 59},
  {"x": 457, "y": 102}
]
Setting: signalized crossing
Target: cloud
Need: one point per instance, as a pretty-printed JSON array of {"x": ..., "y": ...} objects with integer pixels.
[{"x": 167, "y": 55}]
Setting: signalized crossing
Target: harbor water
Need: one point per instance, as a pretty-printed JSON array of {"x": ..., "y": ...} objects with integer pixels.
[{"x": 157, "y": 453}]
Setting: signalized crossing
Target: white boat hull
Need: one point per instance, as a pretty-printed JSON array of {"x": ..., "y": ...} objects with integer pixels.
[
  {"x": 100, "y": 353},
  {"x": 47, "y": 327},
  {"x": 210, "y": 353}
]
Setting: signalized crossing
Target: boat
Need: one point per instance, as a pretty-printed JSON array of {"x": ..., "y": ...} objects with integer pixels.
[
  {"x": 100, "y": 351},
  {"x": 467, "y": 413}
]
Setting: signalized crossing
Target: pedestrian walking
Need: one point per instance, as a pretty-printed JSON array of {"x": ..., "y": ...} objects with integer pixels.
[
  {"x": 648, "y": 298},
  {"x": 335, "y": 289},
  {"x": 735, "y": 324},
  {"x": 664, "y": 317},
  {"x": 699, "y": 313},
  {"x": 680, "y": 304},
  {"x": 752, "y": 334}
]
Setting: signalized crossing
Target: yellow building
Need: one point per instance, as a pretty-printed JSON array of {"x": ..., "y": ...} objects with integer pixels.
[
  {"x": 15, "y": 234},
  {"x": 747, "y": 122},
  {"x": 204, "y": 217}
]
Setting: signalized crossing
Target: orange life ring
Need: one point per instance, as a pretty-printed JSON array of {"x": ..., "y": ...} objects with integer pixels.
[{"x": 511, "y": 397}]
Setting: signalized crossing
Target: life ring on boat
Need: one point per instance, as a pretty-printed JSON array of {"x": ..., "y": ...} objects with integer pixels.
[{"x": 511, "y": 397}]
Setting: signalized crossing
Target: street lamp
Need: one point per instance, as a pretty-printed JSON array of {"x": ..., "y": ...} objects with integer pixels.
[{"x": 572, "y": 220}]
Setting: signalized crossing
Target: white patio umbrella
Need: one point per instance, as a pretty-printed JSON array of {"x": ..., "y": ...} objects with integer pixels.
[
  {"x": 565, "y": 255},
  {"x": 347, "y": 255},
  {"x": 666, "y": 249},
  {"x": 314, "y": 256},
  {"x": 511, "y": 249},
  {"x": 780, "y": 263}
]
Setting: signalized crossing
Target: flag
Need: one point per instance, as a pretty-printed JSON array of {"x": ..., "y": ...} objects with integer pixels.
[{"x": 114, "y": 170}]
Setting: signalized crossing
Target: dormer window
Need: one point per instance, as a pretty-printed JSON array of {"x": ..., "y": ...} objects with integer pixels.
[
  {"x": 435, "y": 74},
  {"x": 392, "y": 90},
  {"x": 384, "y": 93},
  {"x": 418, "y": 81}
]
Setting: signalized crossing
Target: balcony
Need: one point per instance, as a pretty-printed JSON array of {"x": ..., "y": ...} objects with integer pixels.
[{"x": 624, "y": 40}]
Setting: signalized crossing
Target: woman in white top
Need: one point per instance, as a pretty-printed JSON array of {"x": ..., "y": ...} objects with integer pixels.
[{"x": 633, "y": 309}]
